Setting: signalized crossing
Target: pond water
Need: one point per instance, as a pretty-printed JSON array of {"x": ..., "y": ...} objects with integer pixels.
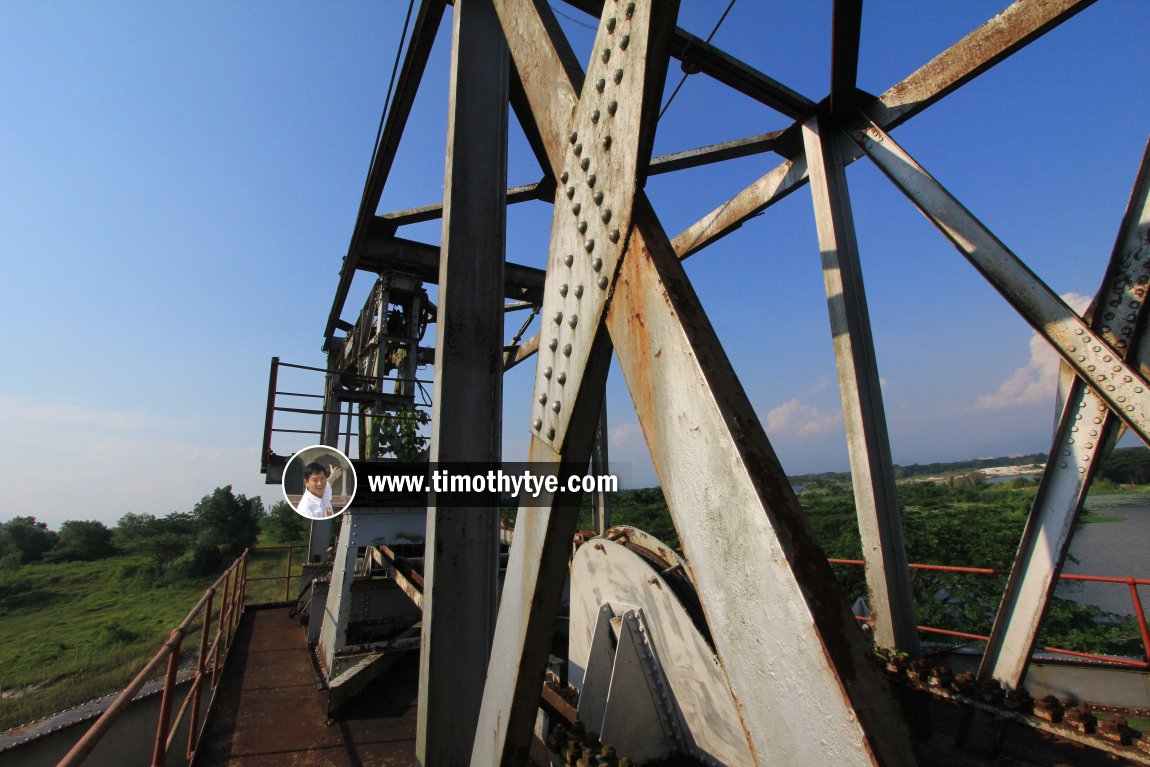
[{"x": 1116, "y": 549}]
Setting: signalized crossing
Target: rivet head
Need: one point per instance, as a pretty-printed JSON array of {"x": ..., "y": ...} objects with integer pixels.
[
  {"x": 591, "y": 179},
  {"x": 602, "y": 283},
  {"x": 578, "y": 149},
  {"x": 563, "y": 177},
  {"x": 555, "y": 406},
  {"x": 547, "y": 372},
  {"x": 605, "y": 216},
  {"x": 598, "y": 198},
  {"x": 582, "y": 227},
  {"x": 573, "y": 320},
  {"x": 578, "y": 292},
  {"x": 566, "y": 350},
  {"x": 600, "y": 85},
  {"x": 614, "y": 235},
  {"x": 563, "y": 288},
  {"x": 611, "y": 107},
  {"x": 595, "y": 116},
  {"x": 606, "y": 142},
  {"x": 573, "y": 137},
  {"x": 558, "y": 318},
  {"x": 543, "y": 398},
  {"x": 585, "y": 163},
  {"x": 611, "y": 24},
  {"x": 537, "y": 424},
  {"x": 567, "y": 261},
  {"x": 618, "y": 76},
  {"x": 589, "y": 245},
  {"x": 624, "y": 41},
  {"x": 629, "y": 10},
  {"x": 550, "y": 434},
  {"x": 570, "y": 192},
  {"x": 576, "y": 208},
  {"x": 605, "y": 56},
  {"x": 597, "y": 264},
  {"x": 553, "y": 344},
  {"x": 561, "y": 378}
]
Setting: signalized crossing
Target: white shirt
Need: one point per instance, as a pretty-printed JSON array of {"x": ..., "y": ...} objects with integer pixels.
[{"x": 315, "y": 507}]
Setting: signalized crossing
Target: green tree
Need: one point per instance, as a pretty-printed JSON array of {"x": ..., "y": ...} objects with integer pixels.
[
  {"x": 227, "y": 521},
  {"x": 24, "y": 540},
  {"x": 82, "y": 541},
  {"x": 283, "y": 525}
]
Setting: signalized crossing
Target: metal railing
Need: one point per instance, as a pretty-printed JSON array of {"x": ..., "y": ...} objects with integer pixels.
[
  {"x": 209, "y": 661},
  {"x": 1131, "y": 583},
  {"x": 287, "y": 576}
]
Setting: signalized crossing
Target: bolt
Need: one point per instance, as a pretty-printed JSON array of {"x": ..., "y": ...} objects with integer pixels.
[
  {"x": 597, "y": 264},
  {"x": 629, "y": 10},
  {"x": 566, "y": 350},
  {"x": 570, "y": 192},
  {"x": 578, "y": 149},
  {"x": 591, "y": 180},
  {"x": 603, "y": 282},
  {"x": 543, "y": 398},
  {"x": 605, "y": 216},
  {"x": 567, "y": 261},
  {"x": 555, "y": 406},
  {"x": 553, "y": 344},
  {"x": 558, "y": 317},
  {"x": 606, "y": 55},
  {"x": 595, "y": 116},
  {"x": 600, "y": 85},
  {"x": 618, "y": 76},
  {"x": 614, "y": 236},
  {"x": 573, "y": 321},
  {"x": 582, "y": 227},
  {"x": 585, "y": 163},
  {"x": 547, "y": 372},
  {"x": 611, "y": 107},
  {"x": 561, "y": 378},
  {"x": 589, "y": 245},
  {"x": 607, "y": 142},
  {"x": 624, "y": 42},
  {"x": 563, "y": 179},
  {"x": 537, "y": 424},
  {"x": 598, "y": 197},
  {"x": 576, "y": 208},
  {"x": 611, "y": 24},
  {"x": 550, "y": 434},
  {"x": 578, "y": 291},
  {"x": 575, "y": 137}
]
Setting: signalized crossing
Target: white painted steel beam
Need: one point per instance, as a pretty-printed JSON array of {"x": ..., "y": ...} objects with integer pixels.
[
  {"x": 872, "y": 471},
  {"x": 1092, "y": 357},
  {"x": 1086, "y": 433},
  {"x": 461, "y": 566}
]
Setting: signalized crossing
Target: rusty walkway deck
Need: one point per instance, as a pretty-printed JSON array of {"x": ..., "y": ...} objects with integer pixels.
[{"x": 270, "y": 713}]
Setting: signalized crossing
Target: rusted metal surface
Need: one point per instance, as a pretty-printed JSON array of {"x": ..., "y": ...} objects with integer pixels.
[
  {"x": 872, "y": 470},
  {"x": 1096, "y": 361},
  {"x": 1086, "y": 434},
  {"x": 459, "y": 612},
  {"x": 1018, "y": 25}
]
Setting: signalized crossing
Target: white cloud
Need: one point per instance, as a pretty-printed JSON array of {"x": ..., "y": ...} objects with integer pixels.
[
  {"x": 797, "y": 419},
  {"x": 1035, "y": 383}
]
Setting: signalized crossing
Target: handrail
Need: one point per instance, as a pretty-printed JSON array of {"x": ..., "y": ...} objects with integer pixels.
[
  {"x": 1131, "y": 583},
  {"x": 233, "y": 581}
]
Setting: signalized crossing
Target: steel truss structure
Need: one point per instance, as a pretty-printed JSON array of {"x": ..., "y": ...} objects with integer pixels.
[{"x": 615, "y": 285}]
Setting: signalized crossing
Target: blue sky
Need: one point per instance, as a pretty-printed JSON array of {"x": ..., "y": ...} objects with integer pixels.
[{"x": 180, "y": 182}]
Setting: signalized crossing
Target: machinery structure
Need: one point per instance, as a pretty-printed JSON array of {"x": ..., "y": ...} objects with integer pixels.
[{"x": 670, "y": 654}]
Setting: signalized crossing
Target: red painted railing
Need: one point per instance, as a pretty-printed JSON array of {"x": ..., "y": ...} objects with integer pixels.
[
  {"x": 208, "y": 664},
  {"x": 1131, "y": 583}
]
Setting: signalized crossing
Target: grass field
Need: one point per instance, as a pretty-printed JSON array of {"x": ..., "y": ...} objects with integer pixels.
[{"x": 76, "y": 631}]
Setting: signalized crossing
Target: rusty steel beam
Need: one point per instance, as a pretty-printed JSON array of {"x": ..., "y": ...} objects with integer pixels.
[
  {"x": 414, "y": 64},
  {"x": 872, "y": 470},
  {"x": 689, "y": 403},
  {"x": 422, "y": 260},
  {"x": 699, "y": 56},
  {"x": 595, "y": 195},
  {"x": 1122, "y": 386},
  {"x": 1086, "y": 433},
  {"x": 389, "y": 222},
  {"x": 461, "y": 560},
  {"x": 1001, "y": 36},
  {"x": 846, "y": 27}
]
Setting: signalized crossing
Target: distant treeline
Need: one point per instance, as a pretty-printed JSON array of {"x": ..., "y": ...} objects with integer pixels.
[
  {"x": 180, "y": 544},
  {"x": 1125, "y": 466}
]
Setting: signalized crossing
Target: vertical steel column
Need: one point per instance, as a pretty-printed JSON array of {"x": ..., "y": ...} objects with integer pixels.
[
  {"x": 1086, "y": 432},
  {"x": 601, "y": 501},
  {"x": 462, "y": 553},
  {"x": 872, "y": 473},
  {"x": 320, "y": 534}
]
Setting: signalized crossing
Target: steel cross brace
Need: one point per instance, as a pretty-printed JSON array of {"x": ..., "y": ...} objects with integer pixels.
[
  {"x": 1122, "y": 387},
  {"x": 1086, "y": 433},
  {"x": 789, "y": 646}
]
